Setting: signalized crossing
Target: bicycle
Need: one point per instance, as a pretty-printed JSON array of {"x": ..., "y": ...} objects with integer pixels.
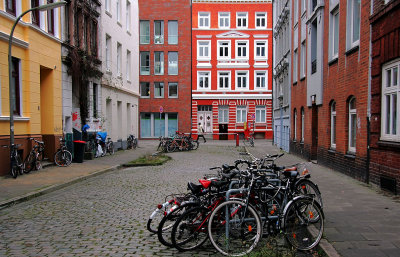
[
  {"x": 32, "y": 160},
  {"x": 109, "y": 147},
  {"x": 62, "y": 157},
  {"x": 248, "y": 140},
  {"x": 299, "y": 217},
  {"x": 17, "y": 166},
  {"x": 132, "y": 142}
]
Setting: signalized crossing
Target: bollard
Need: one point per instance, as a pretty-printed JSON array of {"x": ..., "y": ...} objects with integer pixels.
[{"x": 237, "y": 139}]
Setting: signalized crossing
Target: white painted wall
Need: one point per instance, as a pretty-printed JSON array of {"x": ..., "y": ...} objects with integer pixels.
[{"x": 116, "y": 87}]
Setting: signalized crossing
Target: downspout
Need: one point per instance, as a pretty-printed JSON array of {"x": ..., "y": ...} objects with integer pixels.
[
  {"x": 273, "y": 78},
  {"x": 369, "y": 100}
]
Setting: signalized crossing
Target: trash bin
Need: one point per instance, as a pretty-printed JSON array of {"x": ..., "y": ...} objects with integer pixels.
[{"x": 79, "y": 150}]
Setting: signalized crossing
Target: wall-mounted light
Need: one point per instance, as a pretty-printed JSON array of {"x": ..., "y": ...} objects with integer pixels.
[{"x": 313, "y": 97}]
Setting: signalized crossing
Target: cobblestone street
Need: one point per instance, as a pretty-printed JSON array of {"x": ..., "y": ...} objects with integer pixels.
[{"x": 107, "y": 214}]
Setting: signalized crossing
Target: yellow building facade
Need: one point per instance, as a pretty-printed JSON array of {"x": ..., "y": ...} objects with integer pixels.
[{"x": 36, "y": 63}]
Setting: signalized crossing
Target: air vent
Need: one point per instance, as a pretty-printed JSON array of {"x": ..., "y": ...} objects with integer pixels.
[{"x": 388, "y": 183}]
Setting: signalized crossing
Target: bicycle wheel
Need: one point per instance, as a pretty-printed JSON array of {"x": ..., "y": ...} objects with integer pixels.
[
  {"x": 301, "y": 227},
  {"x": 110, "y": 148},
  {"x": 14, "y": 170},
  {"x": 190, "y": 230},
  {"x": 251, "y": 141},
  {"x": 134, "y": 143},
  {"x": 168, "y": 221},
  {"x": 152, "y": 223},
  {"x": 234, "y": 229},
  {"x": 195, "y": 145},
  {"x": 171, "y": 147},
  {"x": 63, "y": 158},
  {"x": 308, "y": 188},
  {"x": 29, "y": 162}
]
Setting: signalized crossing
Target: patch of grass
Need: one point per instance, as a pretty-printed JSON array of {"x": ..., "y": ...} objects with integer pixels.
[{"x": 148, "y": 160}]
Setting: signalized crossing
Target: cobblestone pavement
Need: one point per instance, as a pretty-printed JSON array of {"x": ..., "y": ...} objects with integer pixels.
[{"x": 106, "y": 215}]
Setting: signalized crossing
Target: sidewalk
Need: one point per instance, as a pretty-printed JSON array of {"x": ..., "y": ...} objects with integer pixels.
[
  {"x": 52, "y": 178},
  {"x": 360, "y": 220}
]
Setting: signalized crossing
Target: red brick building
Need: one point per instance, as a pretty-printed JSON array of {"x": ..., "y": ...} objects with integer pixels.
[
  {"x": 165, "y": 67},
  {"x": 232, "y": 67},
  {"x": 385, "y": 94},
  {"x": 330, "y": 109}
]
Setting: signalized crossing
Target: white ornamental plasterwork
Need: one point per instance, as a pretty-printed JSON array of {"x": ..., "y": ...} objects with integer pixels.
[{"x": 233, "y": 34}]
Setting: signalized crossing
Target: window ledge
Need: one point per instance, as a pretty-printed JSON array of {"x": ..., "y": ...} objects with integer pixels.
[
  {"x": 16, "y": 118},
  {"x": 333, "y": 61},
  {"x": 332, "y": 150},
  {"x": 109, "y": 14},
  {"x": 302, "y": 78},
  {"x": 352, "y": 50},
  {"x": 172, "y": 96},
  {"x": 119, "y": 24},
  {"x": 129, "y": 81},
  {"x": 144, "y": 96},
  {"x": 388, "y": 144},
  {"x": 295, "y": 83},
  {"x": 129, "y": 33},
  {"x": 350, "y": 155}
]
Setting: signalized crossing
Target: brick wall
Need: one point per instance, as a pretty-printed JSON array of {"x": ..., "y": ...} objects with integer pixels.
[
  {"x": 169, "y": 10},
  {"x": 385, "y": 156}
]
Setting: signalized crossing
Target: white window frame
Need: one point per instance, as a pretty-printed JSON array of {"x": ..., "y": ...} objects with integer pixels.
[
  {"x": 333, "y": 125},
  {"x": 144, "y": 37},
  {"x": 263, "y": 17},
  {"x": 352, "y": 115},
  {"x": 229, "y": 80},
  {"x": 119, "y": 59},
  {"x": 350, "y": 25},
  {"x": 108, "y": 52},
  {"x": 108, "y": 6},
  {"x": 223, "y": 114},
  {"x": 128, "y": 65},
  {"x": 265, "y": 42},
  {"x": 240, "y": 17},
  {"x": 260, "y": 117},
  {"x": 170, "y": 35},
  {"x": 295, "y": 12},
  {"x": 177, "y": 89},
  {"x": 243, "y": 110},
  {"x": 391, "y": 90},
  {"x": 334, "y": 34},
  {"x": 224, "y": 17},
  {"x": 128, "y": 16},
  {"x": 203, "y": 74},
  {"x": 170, "y": 63},
  {"x": 204, "y": 57},
  {"x": 141, "y": 90},
  {"x": 303, "y": 59},
  {"x": 246, "y": 48},
  {"x": 161, "y": 63},
  {"x": 203, "y": 18},
  {"x": 141, "y": 64},
  {"x": 302, "y": 124},
  {"x": 162, "y": 90},
  {"x": 159, "y": 39},
  {"x": 258, "y": 74},
  {"x": 219, "y": 42},
  {"x": 237, "y": 76},
  {"x": 118, "y": 6}
]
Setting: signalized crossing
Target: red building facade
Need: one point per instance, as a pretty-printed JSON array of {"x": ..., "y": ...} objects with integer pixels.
[
  {"x": 232, "y": 67},
  {"x": 385, "y": 95},
  {"x": 165, "y": 70}
]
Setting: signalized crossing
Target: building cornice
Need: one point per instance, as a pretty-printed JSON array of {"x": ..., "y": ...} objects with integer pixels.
[
  {"x": 17, "y": 42},
  {"x": 232, "y": 1},
  {"x": 266, "y": 96}
]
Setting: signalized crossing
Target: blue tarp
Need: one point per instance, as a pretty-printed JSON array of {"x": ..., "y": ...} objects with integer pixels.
[{"x": 102, "y": 136}]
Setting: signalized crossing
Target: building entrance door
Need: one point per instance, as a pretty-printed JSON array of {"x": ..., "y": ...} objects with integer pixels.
[
  {"x": 223, "y": 128},
  {"x": 314, "y": 143},
  {"x": 205, "y": 119}
]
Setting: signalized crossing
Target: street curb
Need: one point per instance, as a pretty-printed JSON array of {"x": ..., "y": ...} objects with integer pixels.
[
  {"x": 323, "y": 244},
  {"x": 29, "y": 196}
]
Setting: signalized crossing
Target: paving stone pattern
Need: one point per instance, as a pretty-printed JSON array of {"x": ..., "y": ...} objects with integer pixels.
[{"x": 106, "y": 215}]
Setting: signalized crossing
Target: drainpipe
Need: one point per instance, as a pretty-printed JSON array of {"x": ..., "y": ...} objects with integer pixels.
[{"x": 369, "y": 102}]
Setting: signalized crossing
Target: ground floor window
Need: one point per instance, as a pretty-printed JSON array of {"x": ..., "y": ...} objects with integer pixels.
[
  {"x": 153, "y": 125},
  {"x": 241, "y": 114},
  {"x": 260, "y": 114},
  {"x": 223, "y": 114}
]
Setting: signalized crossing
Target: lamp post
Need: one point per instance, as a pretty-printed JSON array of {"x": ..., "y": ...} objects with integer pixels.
[{"x": 11, "y": 88}]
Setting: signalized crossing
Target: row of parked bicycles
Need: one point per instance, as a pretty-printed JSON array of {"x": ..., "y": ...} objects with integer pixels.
[
  {"x": 240, "y": 204},
  {"x": 178, "y": 142},
  {"x": 62, "y": 157}
]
